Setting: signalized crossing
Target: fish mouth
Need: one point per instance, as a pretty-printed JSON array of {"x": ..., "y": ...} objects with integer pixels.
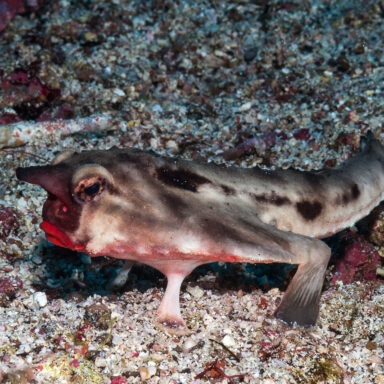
[{"x": 58, "y": 237}]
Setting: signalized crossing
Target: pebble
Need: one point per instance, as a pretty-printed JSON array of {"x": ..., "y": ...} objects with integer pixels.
[
  {"x": 154, "y": 143},
  {"x": 189, "y": 345},
  {"x": 40, "y": 298},
  {"x": 157, "y": 108},
  {"x": 100, "y": 362},
  {"x": 228, "y": 341},
  {"x": 376, "y": 360},
  {"x": 196, "y": 292},
  {"x": 245, "y": 107},
  {"x": 117, "y": 339},
  {"x": 250, "y": 54},
  {"x": 144, "y": 374},
  {"x": 99, "y": 315},
  {"x": 172, "y": 145},
  {"x": 119, "y": 92},
  {"x": 157, "y": 357},
  {"x": 380, "y": 271},
  {"x": 90, "y": 36},
  {"x": 151, "y": 368},
  {"x": 322, "y": 349},
  {"x": 36, "y": 259},
  {"x": 147, "y": 372}
]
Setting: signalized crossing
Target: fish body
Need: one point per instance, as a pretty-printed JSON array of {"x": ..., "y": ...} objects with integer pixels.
[{"x": 175, "y": 215}]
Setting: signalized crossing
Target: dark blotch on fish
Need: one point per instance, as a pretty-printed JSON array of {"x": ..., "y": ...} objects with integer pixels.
[
  {"x": 344, "y": 199},
  {"x": 174, "y": 203},
  {"x": 181, "y": 178},
  {"x": 309, "y": 210},
  {"x": 347, "y": 197},
  {"x": 272, "y": 198},
  {"x": 355, "y": 191},
  {"x": 314, "y": 179},
  {"x": 227, "y": 190}
]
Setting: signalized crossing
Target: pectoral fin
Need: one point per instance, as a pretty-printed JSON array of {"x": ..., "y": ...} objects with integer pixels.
[
  {"x": 257, "y": 242},
  {"x": 300, "y": 303}
]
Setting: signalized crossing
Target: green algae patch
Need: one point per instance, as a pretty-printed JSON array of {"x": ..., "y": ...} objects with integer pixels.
[{"x": 321, "y": 371}]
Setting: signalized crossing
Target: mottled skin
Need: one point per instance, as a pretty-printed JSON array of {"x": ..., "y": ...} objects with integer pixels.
[{"x": 175, "y": 215}]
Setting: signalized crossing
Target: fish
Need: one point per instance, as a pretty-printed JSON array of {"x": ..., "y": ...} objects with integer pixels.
[{"x": 175, "y": 215}]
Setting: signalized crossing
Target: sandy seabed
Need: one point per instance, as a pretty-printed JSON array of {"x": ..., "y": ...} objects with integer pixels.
[{"x": 268, "y": 83}]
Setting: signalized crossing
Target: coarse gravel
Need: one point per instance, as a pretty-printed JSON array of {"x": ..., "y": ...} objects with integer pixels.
[{"x": 267, "y": 83}]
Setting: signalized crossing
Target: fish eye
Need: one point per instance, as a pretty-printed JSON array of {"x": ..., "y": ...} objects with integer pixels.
[
  {"x": 89, "y": 188},
  {"x": 92, "y": 190}
]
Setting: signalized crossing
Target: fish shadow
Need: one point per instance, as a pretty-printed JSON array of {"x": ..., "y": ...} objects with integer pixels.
[{"x": 68, "y": 273}]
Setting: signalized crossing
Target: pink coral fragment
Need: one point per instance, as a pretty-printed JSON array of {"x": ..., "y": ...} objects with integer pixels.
[
  {"x": 302, "y": 134},
  {"x": 9, "y": 8},
  {"x": 359, "y": 261},
  {"x": 8, "y": 221},
  {"x": 119, "y": 380},
  {"x": 10, "y": 285}
]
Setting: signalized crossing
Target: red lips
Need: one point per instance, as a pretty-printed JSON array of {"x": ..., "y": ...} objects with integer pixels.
[{"x": 57, "y": 237}]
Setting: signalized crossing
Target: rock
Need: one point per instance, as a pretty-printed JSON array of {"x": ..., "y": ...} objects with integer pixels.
[
  {"x": 7, "y": 13},
  {"x": 172, "y": 145},
  {"x": 358, "y": 261},
  {"x": 8, "y": 221},
  {"x": 196, "y": 292},
  {"x": 12, "y": 135},
  {"x": 40, "y": 298},
  {"x": 27, "y": 94},
  {"x": 302, "y": 134},
  {"x": 8, "y": 288},
  {"x": 376, "y": 234},
  {"x": 100, "y": 362},
  {"x": 257, "y": 144},
  {"x": 81, "y": 333},
  {"x": 36, "y": 259},
  {"x": 228, "y": 341},
  {"x": 119, "y": 380},
  {"x": 98, "y": 315},
  {"x": 144, "y": 373},
  {"x": 344, "y": 139},
  {"x": 64, "y": 112},
  {"x": 119, "y": 92},
  {"x": 21, "y": 376},
  {"x": 157, "y": 108},
  {"x": 151, "y": 369},
  {"x": 90, "y": 37},
  {"x": 353, "y": 116},
  {"x": 9, "y": 118},
  {"x": 157, "y": 357},
  {"x": 245, "y": 107},
  {"x": 371, "y": 345},
  {"x": 189, "y": 345},
  {"x": 250, "y": 54},
  {"x": 122, "y": 275},
  {"x": 322, "y": 349}
]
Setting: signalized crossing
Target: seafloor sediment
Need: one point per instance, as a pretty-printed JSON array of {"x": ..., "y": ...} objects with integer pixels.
[{"x": 269, "y": 83}]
